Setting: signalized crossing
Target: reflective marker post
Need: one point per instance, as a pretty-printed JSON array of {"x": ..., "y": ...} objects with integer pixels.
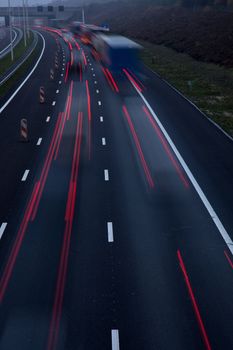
[
  {"x": 24, "y": 130},
  {"x": 42, "y": 95},
  {"x": 10, "y": 23},
  {"x": 51, "y": 74}
]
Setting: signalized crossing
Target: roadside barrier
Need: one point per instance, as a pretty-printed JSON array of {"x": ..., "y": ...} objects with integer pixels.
[
  {"x": 23, "y": 130},
  {"x": 42, "y": 95}
]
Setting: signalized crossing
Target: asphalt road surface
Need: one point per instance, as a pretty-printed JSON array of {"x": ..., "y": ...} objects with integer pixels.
[{"x": 116, "y": 217}]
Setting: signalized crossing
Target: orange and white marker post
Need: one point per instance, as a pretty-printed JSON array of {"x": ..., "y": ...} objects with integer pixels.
[
  {"x": 23, "y": 130},
  {"x": 42, "y": 95},
  {"x": 51, "y": 74},
  {"x": 56, "y": 62}
]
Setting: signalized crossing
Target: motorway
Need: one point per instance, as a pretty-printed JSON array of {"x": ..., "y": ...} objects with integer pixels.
[
  {"x": 5, "y": 46},
  {"x": 116, "y": 217}
]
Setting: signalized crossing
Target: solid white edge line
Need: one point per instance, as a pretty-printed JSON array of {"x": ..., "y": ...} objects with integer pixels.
[
  {"x": 192, "y": 103},
  {"x": 103, "y": 141},
  {"x": 2, "y": 228},
  {"x": 3, "y": 81},
  {"x": 192, "y": 179},
  {"x": 5, "y": 48},
  {"x": 26, "y": 79},
  {"x": 25, "y": 175},
  {"x": 115, "y": 339},
  {"x": 110, "y": 232},
  {"x": 39, "y": 141},
  {"x": 106, "y": 175}
]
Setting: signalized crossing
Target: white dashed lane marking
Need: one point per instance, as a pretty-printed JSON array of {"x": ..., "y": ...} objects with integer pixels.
[
  {"x": 110, "y": 232},
  {"x": 115, "y": 339},
  {"x": 39, "y": 141},
  {"x": 106, "y": 175},
  {"x": 2, "y": 228},
  {"x": 25, "y": 175}
]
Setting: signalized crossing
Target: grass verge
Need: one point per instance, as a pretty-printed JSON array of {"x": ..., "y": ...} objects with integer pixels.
[
  {"x": 19, "y": 50},
  {"x": 207, "y": 85},
  {"x": 12, "y": 81}
]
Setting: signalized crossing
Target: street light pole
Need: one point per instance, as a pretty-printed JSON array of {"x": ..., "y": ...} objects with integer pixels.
[
  {"x": 24, "y": 24},
  {"x": 27, "y": 21},
  {"x": 19, "y": 21},
  {"x": 11, "y": 37}
]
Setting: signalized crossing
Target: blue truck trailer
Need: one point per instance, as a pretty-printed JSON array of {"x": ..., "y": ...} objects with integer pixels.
[{"x": 117, "y": 52}]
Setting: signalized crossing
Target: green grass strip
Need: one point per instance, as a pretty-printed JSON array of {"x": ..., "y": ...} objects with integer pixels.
[
  {"x": 207, "y": 85},
  {"x": 19, "y": 50},
  {"x": 21, "y": 72}
]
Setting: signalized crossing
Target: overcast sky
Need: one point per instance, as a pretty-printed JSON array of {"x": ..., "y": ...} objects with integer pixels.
[{"x": 19, "y": 2}]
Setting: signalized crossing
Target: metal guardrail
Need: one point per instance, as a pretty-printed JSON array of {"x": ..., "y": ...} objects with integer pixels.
[
  {"x": 18, "y": 36},
  {"x": 8, "y": 74}
]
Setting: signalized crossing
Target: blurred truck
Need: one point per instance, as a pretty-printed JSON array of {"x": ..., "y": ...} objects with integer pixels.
[{"x": 116, "y": 52}]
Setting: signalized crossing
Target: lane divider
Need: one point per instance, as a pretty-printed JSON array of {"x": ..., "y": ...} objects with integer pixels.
[
  {"x": 110, "y": 232},
  {"x": 39, "y": 141},
  {"x": 25, "y": 175},
  {"x": 2, "y": 229},
  {"x": 106, "y": 175}
]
